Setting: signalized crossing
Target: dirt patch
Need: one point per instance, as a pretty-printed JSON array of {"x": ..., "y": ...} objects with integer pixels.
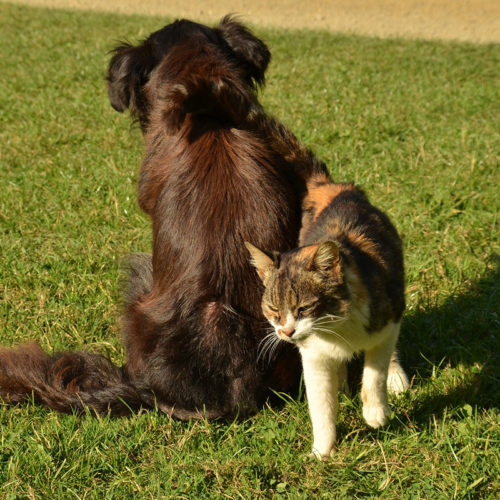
[{"x": 464, "y": 20}]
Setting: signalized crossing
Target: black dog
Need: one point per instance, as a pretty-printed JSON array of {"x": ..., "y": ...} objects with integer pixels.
[{"x": 217, "y": 172}]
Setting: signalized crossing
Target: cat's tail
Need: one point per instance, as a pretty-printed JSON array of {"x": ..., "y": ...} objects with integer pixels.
[
  {"x": 77, "y": 381},
  {"x": 68, "y": 382}
]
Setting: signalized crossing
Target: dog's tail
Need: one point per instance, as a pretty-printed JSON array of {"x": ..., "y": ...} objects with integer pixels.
[
  {"x": 68, "y": 382},
  {"x": 77, "y": 381}
]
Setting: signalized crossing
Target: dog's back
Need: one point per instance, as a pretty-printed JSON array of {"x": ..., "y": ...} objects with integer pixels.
[
  {"x": 212, "y": 177},
  {"x": 217, "y": 171}
]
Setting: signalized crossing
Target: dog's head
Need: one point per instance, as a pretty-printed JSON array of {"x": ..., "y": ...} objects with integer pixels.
[{"x": 188, "y": 68}]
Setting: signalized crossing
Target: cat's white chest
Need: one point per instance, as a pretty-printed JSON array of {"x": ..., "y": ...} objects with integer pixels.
[
  {"x": 339, "y": 339},
  {"x": 323, "y": 345}
]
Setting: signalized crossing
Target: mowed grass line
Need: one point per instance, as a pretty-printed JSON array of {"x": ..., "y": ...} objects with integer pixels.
[{"x": 415, "y": 123}]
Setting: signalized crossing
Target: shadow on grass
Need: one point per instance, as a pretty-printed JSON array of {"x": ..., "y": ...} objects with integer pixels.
[{"x": 461, "y": 335}]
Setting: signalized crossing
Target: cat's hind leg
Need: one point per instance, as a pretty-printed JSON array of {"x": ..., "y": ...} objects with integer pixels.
[
  {"x": 397, "y": 381},
  {"x": 374, "y": 385}
]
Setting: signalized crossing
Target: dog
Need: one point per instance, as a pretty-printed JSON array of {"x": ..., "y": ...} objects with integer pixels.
[{"x": 217, "y": 171}]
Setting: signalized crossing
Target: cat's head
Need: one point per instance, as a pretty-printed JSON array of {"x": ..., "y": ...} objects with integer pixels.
[{"x": 303, "y": 288}]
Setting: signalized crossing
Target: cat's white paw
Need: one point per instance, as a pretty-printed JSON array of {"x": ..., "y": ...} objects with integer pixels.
[
  {"x": 321, "y": 454},
  {"x": 397, "y": 381},
  {"x": 376, "y": 415}
]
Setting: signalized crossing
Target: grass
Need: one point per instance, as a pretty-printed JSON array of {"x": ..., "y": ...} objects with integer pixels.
[{"x": 415, "y": 123}]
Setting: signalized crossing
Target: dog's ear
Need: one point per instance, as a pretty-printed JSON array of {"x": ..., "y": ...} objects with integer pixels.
[
  {"x": 128, "y": 72},
  {"x": 251, "y": 52}
]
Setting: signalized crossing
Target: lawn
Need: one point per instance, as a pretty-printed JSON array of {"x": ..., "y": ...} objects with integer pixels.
[{"x": 417, "y": 124}]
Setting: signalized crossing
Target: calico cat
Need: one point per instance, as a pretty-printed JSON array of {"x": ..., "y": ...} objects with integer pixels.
[{"x": 339, "y": 293}]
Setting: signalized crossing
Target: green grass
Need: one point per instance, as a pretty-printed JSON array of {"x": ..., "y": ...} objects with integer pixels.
[{"x": 415, "y": 123}]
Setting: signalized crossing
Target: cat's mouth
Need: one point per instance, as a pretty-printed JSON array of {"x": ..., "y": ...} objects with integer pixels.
[
  {"x": 303, "y": 330},
  {"x": 294, "y": 332},
  {"x": 296, "y": 337}
]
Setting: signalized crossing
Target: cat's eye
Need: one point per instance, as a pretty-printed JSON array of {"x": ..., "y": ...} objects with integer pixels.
[
  {"x": 272, "y": 308},
  {"x": 305, "y": 308}
]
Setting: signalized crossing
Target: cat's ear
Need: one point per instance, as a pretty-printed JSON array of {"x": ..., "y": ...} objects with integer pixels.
[
  {"x": 326, "y": 258},
  {"x": 262, "y": 261}
]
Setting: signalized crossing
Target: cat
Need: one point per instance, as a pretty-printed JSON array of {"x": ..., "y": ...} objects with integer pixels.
[{"x": 339, "y": 293}]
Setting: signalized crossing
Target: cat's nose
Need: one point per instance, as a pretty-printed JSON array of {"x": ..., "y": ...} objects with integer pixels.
[{"x": 289, "y": 331}]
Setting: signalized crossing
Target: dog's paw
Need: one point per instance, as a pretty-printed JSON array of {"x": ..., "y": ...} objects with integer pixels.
[{"x": 376, "y": 415}]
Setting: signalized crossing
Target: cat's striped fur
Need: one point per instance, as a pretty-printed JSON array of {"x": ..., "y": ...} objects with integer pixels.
[{"x": 339, "y": 293}]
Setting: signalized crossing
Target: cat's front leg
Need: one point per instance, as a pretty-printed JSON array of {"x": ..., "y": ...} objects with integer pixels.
[
  {"x": 322, "y": 384},
  {"x": 376, "y": 411}
]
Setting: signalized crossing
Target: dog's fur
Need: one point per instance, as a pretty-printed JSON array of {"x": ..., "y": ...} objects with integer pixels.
[{"x": 217, "y": 171}]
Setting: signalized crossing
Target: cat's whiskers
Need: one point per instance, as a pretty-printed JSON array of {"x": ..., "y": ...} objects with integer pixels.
[
  {"x": 276, "y": 345},
  {"x": 329, "y": 331},
  {"x": 323, "y": 321},
  {"x": 267, "y": 346},
  {"x": 263, "y": 344},
  {"x": 326, "y": 322},
  {"x": 328, "y": 318},
  {"x": 333, "y": 316}
]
